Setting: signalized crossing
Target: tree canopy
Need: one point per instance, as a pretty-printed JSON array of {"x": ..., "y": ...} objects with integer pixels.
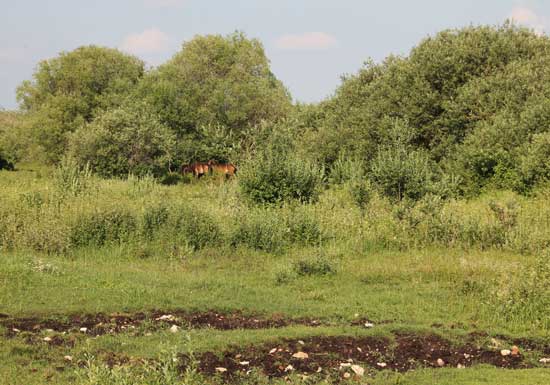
[{"x": 70, "y": 89}]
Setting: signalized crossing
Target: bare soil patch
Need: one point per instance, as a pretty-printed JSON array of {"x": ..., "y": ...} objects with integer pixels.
[
  {"x": 101, "y": 323},
  {"x": 335, "y": 356}
]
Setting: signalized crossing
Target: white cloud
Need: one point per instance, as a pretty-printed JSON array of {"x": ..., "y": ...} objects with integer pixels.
[
  {"x": 164, "y": 3},
  {"x": 528, "y": 17},
  {"x": 306, "y": 41},
  {"x": 149, "y": 41}
]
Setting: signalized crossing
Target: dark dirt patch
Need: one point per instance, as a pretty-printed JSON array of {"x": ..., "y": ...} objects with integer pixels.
[
  {"x": 333, "y": 356},
  {"x": 101, "y": 323}
]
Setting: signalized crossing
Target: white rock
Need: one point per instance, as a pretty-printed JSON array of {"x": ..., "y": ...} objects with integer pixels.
[
  {"x": 466, "y": 355},
  {"x": 381, "y": 364},
  {"x": 369, "y": 325},
  {"x": 68, "y": 358},
  {"x": 301, "y": 355},
  {"x": 244, "y": 363},
  {"x": 49, "y": 330},
  {"x": 358, "y": 370},
  {"x": 16, "y": 330},
  {"x": 319, "y": 369},
  {"x": 221, "y": 370},
  {"x": 360, "y": 350},
  {"x": 505, "y": 352},
  {"x": 166, "y": 317},
  {"x": 83, "y": 330},
  {"x": 345, "y": 365},
  {"x": 460, "y": 366},
  {"x": 347, "y": 375},
  {"x": 440, "y": 362},
  {"x": 47, "y": 339},
  {"x": 289, "y": 368},
  {"x": 301, "y": 342},
  {"x": 273, "y": 351},
  {"x": 544, "y": 360},
  {"x": 174, "y": 328}
]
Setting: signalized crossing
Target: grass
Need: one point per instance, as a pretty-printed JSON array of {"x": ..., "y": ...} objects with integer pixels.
[{"x": 412, "y": 267}]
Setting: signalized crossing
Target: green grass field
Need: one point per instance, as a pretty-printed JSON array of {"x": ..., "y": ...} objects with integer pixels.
[{"x": 475, "y": 273}]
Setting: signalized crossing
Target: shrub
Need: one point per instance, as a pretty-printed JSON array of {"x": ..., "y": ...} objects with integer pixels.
[
  {"x": 302, "y": 228},
  {"x": 154, "y": 217},
  {"x": 197, "y": 228},
  {"x": 318, "y": 266},
  {"x": 399, "y": 170},
  {"x": 535, "y": 164},
  {"x": 71, "y": 178},
  {"x": 101, "y": 227},
  {"x": 260, "y": 229},
  {"x": 278, "y": 176},
  {"x": 126, "y": 140}
]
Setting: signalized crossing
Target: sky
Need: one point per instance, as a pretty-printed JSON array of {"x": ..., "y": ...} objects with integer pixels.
[{"x": 310, "y": 43}]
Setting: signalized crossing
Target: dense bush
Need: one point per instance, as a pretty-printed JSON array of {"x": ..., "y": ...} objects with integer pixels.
[
  {"x": 69, "y": 90},
  {"x": 126, "y": 140},
  {"x": 473, "y": 97},
  {"x": 196, "y": 228},
  {"x": 276, "y": 174},
  {"x": 260, "y": 229},
  {"x": 103, "y": 226}
]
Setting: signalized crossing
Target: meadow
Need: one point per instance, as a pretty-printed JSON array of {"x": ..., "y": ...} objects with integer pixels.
[{"x": 127, "y": 281}]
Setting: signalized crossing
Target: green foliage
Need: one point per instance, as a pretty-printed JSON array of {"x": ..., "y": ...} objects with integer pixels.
[
  {"x": 70, "y": 179},
  {"x": 126, "y": 140},
  {"x": 196, "y": 228},
  {"x": 472, "y": 97},
  {"x": 535, "y": 162},
  {"x": 13, "y": 138},
  {"x": 276, "y": 175},
  {"x": 216, "y": 80},
  {"x": 100, "y": 227},
  {"x": 526, "y": 297},
  {"x": 69, "y": 91},
  {"x": 319, "y": 265},
  {"x": 399, "y": 170},
  {"x": 260, "y": 229}
]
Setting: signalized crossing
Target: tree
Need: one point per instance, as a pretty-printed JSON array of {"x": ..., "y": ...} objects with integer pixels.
[
  {"x": 216, "y": 81},
  {"x": 125, "y": 140},
  {"x": 70, "y": 90}
]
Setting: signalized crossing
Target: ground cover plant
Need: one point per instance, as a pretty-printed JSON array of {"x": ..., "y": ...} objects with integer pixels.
[{"x": 395, "y": 233}]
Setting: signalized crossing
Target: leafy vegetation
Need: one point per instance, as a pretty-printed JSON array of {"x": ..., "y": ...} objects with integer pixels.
[{"x": 415, "y": 197}]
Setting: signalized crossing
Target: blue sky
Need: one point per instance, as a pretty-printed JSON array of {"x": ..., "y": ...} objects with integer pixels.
[{"x": 310, "y": 43}]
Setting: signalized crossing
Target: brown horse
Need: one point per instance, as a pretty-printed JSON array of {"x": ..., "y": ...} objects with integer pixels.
[
  {"x": 198, "y": 169},
  {"x": 227, "y": 169}
]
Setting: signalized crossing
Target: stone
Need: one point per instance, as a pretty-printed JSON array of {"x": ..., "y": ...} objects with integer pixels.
[
  {"x": 381, "y": 364},
  {"x": 440, "y": 362},
  {"x": 68, "y": 358},
  {"x": 505, "y": 352},
  {"x": 301, "y": 355},
  {"x": 369, "y": 325},
  {"x": 347, "y": 375},
  {"x": 358, "y": 370},
  {"x": 174, "y": 328},
  {"x": 544, "y": 360},
  {"x": 274, "y": 350},
  {"x": 289, "y": 368},
  {"x": 47, "y": 339},
  {"x": 83, "y": 330},
  {"x": 221, "y": 370}
]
